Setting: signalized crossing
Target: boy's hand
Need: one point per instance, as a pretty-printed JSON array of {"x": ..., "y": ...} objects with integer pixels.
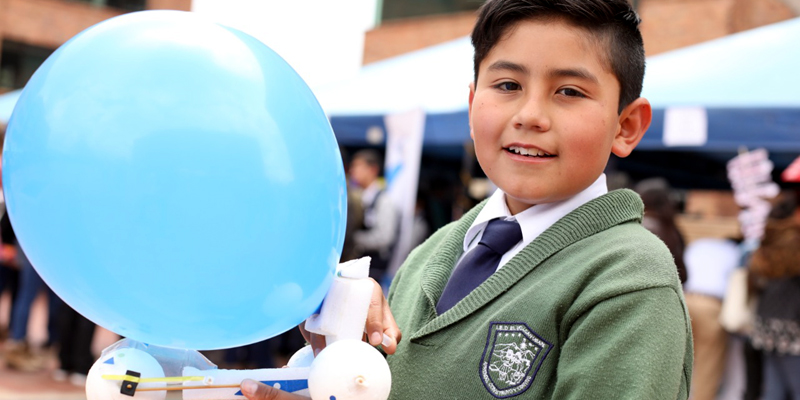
[
  {"x": 258, "y": 391},
  {"x": 381, "y": 328}
]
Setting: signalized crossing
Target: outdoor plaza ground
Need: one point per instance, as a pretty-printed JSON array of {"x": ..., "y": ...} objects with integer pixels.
[{"x": 17, "y": 385}]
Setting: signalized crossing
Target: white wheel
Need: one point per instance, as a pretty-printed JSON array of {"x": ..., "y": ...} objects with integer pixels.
[
  {"x": 116, "y": 364},
  {"x": 302, "y": 358},
  {"x": 349, "y": 370}
]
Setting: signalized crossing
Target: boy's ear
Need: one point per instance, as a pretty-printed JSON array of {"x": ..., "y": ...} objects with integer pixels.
[
  {"x": 633, "y": 123},
  {"x": 471, "y": 96}
]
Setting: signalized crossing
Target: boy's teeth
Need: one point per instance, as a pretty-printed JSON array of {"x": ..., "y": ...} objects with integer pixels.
[{"x": 528, "y": 152}]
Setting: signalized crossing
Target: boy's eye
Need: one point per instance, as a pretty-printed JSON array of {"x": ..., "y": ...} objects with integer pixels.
[
  {"x": 507, "y": 86},
  {"x": 570, "y": 92}
]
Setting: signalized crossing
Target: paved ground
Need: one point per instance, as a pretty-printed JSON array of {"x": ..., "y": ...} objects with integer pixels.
[
  {"x": 35, "y": 386},
  {"x": 15, "y": 385}
]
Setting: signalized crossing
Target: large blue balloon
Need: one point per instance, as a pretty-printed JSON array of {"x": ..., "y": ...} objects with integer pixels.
[{"x": 176, "y": 182}]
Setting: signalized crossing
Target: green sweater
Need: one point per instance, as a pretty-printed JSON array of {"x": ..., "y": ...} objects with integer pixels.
[{"x": 591, "y": 309}]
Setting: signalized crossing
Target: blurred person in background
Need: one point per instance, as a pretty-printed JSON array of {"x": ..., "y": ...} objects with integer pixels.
[
  {"x": 9, "y": 276},
  {"x": 776, "y": 330},
  {"x": 20, "y": 355},
  {"x": 75, "y": 350},
  {"x": 659, "y": 218},
  {"x": 355, "y": 216},
  {"x": 355, "y": 220},
  {"x": 709, "y": 263},
  {"x": 378, "y": 234}
]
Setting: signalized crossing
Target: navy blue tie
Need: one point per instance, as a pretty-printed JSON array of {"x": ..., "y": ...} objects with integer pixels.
[{"x": 480, "y": 263}]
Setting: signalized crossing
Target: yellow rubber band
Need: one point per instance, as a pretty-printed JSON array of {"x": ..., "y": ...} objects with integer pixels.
[{"x": 168, "y": 379}]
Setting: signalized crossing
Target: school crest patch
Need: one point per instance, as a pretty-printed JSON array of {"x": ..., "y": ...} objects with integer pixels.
[{"x": 511, "y": 358}]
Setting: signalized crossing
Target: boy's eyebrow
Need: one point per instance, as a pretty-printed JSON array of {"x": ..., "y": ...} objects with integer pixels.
[
  {"x": 503, "y": 65},
  {"x": 580, "y": 73}
]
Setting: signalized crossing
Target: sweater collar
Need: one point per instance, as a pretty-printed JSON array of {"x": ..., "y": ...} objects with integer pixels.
[
  {"x": 604, "y": 212},
  {"x": 535, "y": 219}
]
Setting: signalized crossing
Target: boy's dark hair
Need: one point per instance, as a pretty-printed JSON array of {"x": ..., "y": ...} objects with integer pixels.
[
  {"x": 613, "y": 22},
  {"x": 369, "y": 156}
]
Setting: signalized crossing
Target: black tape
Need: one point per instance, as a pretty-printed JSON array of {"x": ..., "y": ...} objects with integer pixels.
[{"x": 129, "y": 387}]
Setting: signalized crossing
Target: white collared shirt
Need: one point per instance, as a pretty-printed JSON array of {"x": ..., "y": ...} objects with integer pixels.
[
  {"x": 369, "y": 193},
  {"x": 532, "y": 221},
  {"x": 380, "y": 219}
]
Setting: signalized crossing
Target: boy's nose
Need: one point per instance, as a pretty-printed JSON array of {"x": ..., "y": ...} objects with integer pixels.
[{"x": 532, "y": 115}]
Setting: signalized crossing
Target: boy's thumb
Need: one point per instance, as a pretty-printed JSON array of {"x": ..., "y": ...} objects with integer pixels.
[{"x": 258, "y": 391}]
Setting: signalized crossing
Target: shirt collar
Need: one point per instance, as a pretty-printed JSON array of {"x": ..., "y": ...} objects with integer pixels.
[
  {"x": 536, "y": 219},
  {"x": 370, "y": 192}
]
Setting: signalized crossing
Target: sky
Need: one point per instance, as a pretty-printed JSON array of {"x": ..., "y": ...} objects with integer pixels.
[{"x": 323, "y": 40}]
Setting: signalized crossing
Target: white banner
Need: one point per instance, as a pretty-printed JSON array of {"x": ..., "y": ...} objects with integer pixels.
[
  {"x": 404, "y": 132},
  {"x": 685, "y": 126}
]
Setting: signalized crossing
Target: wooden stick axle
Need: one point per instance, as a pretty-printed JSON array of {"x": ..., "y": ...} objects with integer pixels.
[{"x": 172, "y": 388}]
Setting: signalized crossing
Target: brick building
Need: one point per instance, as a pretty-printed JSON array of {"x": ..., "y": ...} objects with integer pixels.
[{"x": 32, "y": 29}]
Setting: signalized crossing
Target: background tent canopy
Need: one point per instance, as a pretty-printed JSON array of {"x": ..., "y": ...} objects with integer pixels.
[
  {"x": 746, "y": 83},
  {"x": 435, "y": 79},
  {"x": 751, "y": 69}
]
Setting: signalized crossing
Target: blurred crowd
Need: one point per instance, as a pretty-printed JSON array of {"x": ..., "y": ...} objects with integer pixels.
[{"x": 743, "y": 298}]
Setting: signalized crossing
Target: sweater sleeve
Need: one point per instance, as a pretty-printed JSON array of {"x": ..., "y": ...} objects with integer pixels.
[{"x": 631, "y": 346}]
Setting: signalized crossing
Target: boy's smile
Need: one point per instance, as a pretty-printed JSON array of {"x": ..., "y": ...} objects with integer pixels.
[{"x": 543, "y": 114}]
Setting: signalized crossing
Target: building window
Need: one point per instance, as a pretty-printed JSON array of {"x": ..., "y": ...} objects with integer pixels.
[
  {"x": 127, "y": 5},
  {"x": 397, "y": 9},
  {"x": 18, "y": 62}
]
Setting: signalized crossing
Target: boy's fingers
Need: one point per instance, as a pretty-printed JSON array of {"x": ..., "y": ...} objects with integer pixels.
[
  {"x": 391, "y": 332},
  {"x": 258, "y": 391},
  {"x": 306, "y": 334},
  {"x": 317, "y": 343},
  {"x": 375, "y": 315}
]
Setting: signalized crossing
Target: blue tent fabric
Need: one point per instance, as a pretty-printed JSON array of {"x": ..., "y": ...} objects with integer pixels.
[
  {"x": 443, "y": 129},
  {"x": 775, "y": 129},
  {"x": 748, "y": 83}
]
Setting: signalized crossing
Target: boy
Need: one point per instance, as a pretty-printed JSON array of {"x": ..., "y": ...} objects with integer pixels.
[
  {"x": 377, "y": 235},
  {"x": 583, "y": 303}
]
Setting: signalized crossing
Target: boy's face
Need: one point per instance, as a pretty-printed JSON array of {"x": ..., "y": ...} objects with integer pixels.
[
  {"x": 543, "y": 113},
  {"x": 362, "y": 173}
]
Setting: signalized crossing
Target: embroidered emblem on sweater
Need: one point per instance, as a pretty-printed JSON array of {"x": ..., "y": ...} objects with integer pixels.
[{"x": 511, "y": 358}]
